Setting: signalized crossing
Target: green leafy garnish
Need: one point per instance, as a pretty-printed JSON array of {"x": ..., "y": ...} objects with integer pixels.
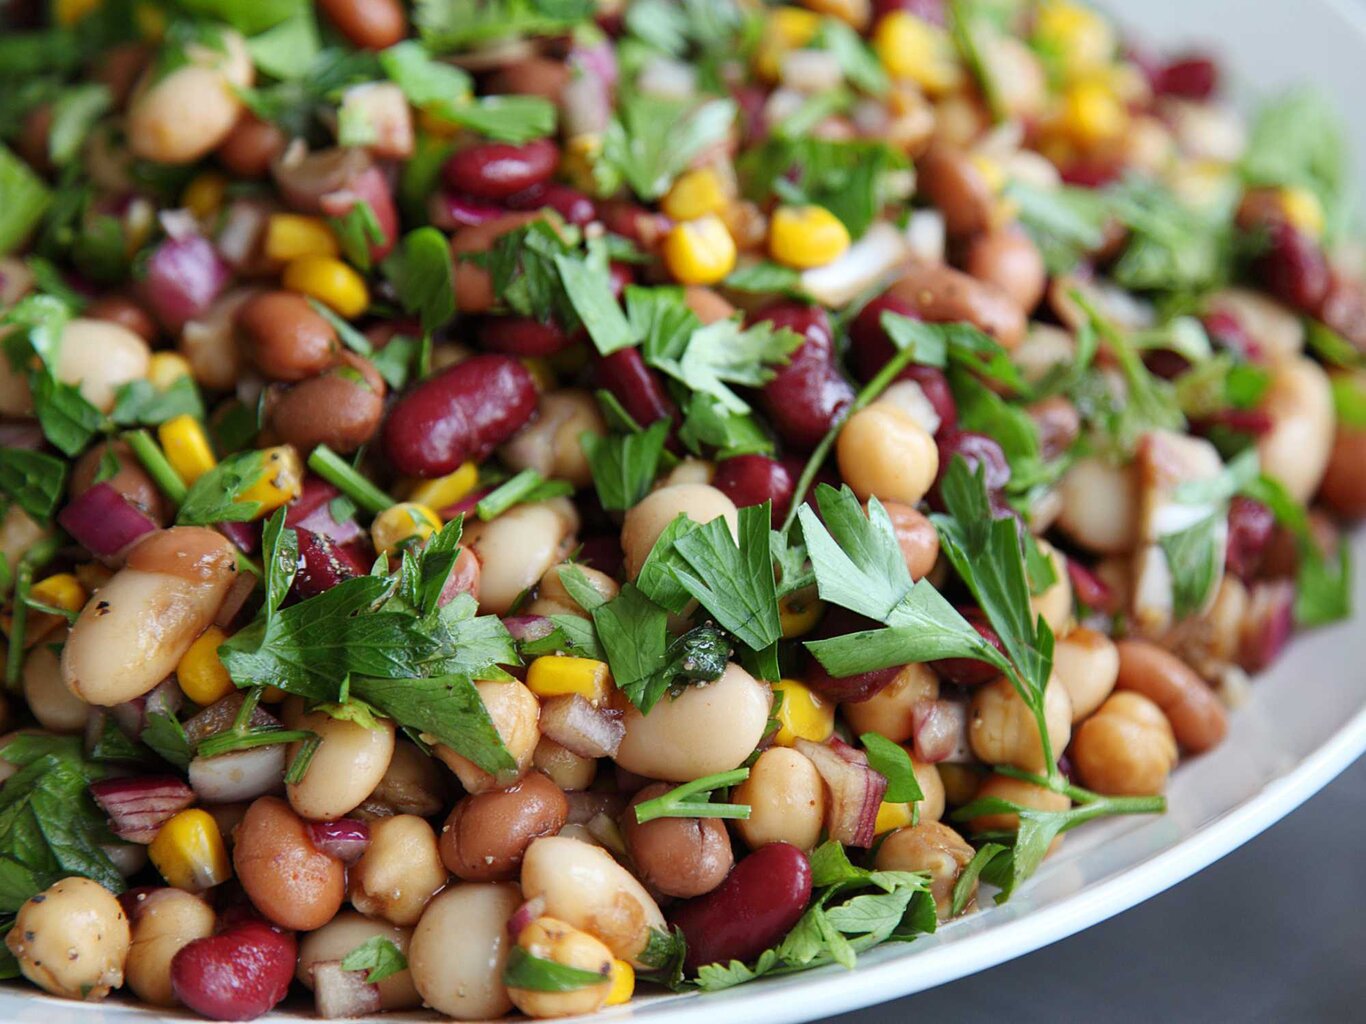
[
  {"x": 1298, "y": 139},
  {"x": 138, "y": 403},
  {"x": 693, "y": 799},
  {"x": 526, "y": 971},
  {"x": 216, "y": 497},
  {"x": 891, "y": 761},
  {"x": 624, "y": 466},
  {"x": 420, "y": 272},
  {"x": 32, "y": 479},
  {"x": 734, "y": 582},
  {"x": 652, "y": 139},
  {"x": 23, "y": 200},
  {"x": 379, "y": 956},
  {"x": 526, "y": 487}
]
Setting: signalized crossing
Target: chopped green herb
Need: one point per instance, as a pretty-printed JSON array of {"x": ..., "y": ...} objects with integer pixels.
[
  {"x": 33, "y": 479},
  {"x": 420, "y": 272},
  {"x": 693, "y": 800},
  {"x": 891, "y": 761},
  {"x": 528, "y": 486},
  {"x": 624, "y": 466},
  {"x": 527, "y": 971},
  {"x": 379, "y": 956}
]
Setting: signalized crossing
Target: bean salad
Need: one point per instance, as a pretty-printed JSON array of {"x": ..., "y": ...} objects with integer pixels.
[{"x": 514, "y": 506}]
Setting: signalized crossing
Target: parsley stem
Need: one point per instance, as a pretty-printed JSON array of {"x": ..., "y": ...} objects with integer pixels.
[
  {"x": 866, "y": 396},
  {"x": 151, "y": 456},
  {"x": 679, "y": 802},
  {"x": 1085, "y": 798},
  {"x": 525, "y": 486},
  {"x": 36, "y": 557},
  {"x": 336, "y": 471},
  {"x": 229, "y": 741}
]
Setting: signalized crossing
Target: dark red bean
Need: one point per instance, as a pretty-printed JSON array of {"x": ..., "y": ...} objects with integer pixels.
[
  {"x": 498, "y": 170},
  {"x": 619, "y": 275},
  {"x": 806, "y": 396},
  {"x": 459, "y": 415},
  {"x": 246, "y": 536},
  {"x": 1193, "y": 77},
  {"x": 452, "y": 210},
  {"x": 1293, "y": 267},
  {"x": 758, "y": 903},
  {"x": 323, "y": 563},
  {"x": 838, "y": 622},
  {"x": 935, "y": 386},
  {"x": 571, "y": 204},
  {"x": 312, "y": 510},
  {"x": 238, "y": 974},
  {"x": 1091, "y": 173},
  {"x": 1250, "y": 526},
  {"x": 635, "y": 386},
  {"x": 755, "y": 479},
  {"x": 869, "y": 346},
  {"x": 522, "y": 336},
  {"x": 978, "y": 451},
  {"x": 642, "y": 226},
  {"x": 602, "y": 552},
  {"x": 970, "y": 671}
]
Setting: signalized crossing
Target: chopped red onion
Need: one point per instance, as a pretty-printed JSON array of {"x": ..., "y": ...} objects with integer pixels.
[
  {"x": 345, "y": 838},
  {"x": 580, "y": 727},
  {"x": 585, "y": 805},
  {"x": 1267, "y": 623},
  {"x": 239, "y": 775},
  {"x": 526, "y": 628},
  {"x": 586, "y": 104},
  {"x": 246, "y": 536},
  {"x": 338, "y": 993},
  {"x": 524, "y": 915},
  {"x": 312, "y": 510},
  {"x": 137, "y": 807},
  {"x": 105, "y": 523},
  {"x": 940, "y": 731},
  {"x": 855, "y": 790},
  {"x": 184, "y": 276},
  {"x": 369, "y": 186},
  {"x": 178, "y": 224},
  {"x": 238, "y": 595}
]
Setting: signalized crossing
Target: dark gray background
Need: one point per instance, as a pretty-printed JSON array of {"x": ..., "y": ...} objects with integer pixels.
[{"x": 1275, "y": 932}]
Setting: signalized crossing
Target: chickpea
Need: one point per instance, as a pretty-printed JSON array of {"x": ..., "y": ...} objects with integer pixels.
[
  {"x": 164, "y": 922},
  {"x": 1296, "y": 449},
  {"x": 348, "y": 764},
  {"x": 570, "y": 772},
  {"x": 71, "y": 940},
  {"x": 689, "y": 470},
  {"x": 552, "y": 598},
  {"x": 1019, "y": 792},
  {"x": 549, "y": 939},
  {"x": 915, "y": 535},
  {"x": 1197, "y": 718},
  {"x": 933, "y": 799},
  {"x": 131, "y": 480},
  {"x": 1055, "y": 603},
  {"x": 891, "y": 711},
  {"x": 1344, "y": 480},
  {"x": 180, "y": 117},
  {"x": 459, "y": 949},
  {"x": 786, "y": 799},
  {"x": 516, "y": 714},
  {"x": 583, "y": 886},
  {"x": 286, "y": 878},
  {"x": 56, "y": 707},
  {"x": 931, "y": 847},
  {"x": 646, "y": 521},
  {"x": 412, "y": 784},
  {"x": 681, "y": 857},
  {"x": 884, "y": 453},
  {"x": 486, "y": 834},
  {"x": 1086, "y": 662},
  {"x": 1126, "y": 748},
  {"x": 1003, "y": 731},
  {"x": 959, "y": 782},
  {"x": 705, "y": 729},
  {"x": 517, "y": 548},
  {"x": 550, "y": 442},
  {"x": 286, "y": 337},
  {"x": 399, "y": 872},
  {"x": 98, "y": 357},
  {"x": 344, "y": 933},
  {"x": 1009, "y": 259},
  {"x": 1100, "y": 506}
]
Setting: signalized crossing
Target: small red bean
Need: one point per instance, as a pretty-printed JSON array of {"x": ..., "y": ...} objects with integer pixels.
[
  {"x": 970, "y": 671},
  {"x": 571, "y": 204},
  {"x": 869, "y": 346},
  {"x": 522, "y": 336},
  {"x": 498, "y": 170},
  {"x": 635, "y": 386},
  {"x": 806, "y": 396},
  {"x": 930, "y": 10},
  {"x": 1192, "y": 77},
  {"x": 758, "y": 903},
  {"x": 238, "y": 974},
  {"x": 461, "y": 414},
  {"x": 978, "y": 451},
  {"x": 755, "y": 479}
]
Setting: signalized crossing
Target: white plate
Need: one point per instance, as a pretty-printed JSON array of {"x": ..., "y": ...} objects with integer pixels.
[{"x": 1305, "y": 722}]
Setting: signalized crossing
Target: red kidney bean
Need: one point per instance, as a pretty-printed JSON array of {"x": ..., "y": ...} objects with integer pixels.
[
  {"x": 238, "y": 974},
  {"x": 1192, "y": 77},
  {"x": 642, "y": 226},
  {"x": 635, "y": 386},
  {"x": 498, "y": 170},
  {"x": 323, "y": 563},
  {"x": 619, "y": 275},
  {"x": 1091, "y": 172},
  {"x": 571, "y": 204},
  {"x": 806, "y": 396},
  {"x": 935, "y": 386},
  {"x": 452, "y": 210},
  {"x": 603, "y": 553},
  {"x": 1292, "y": 267},
  {"x": 758, "y": 903},
  {"x": 461, "y": 414},
  {"x": 978, "y": 451},
  {"x": 312, "y": 510},
  {"x": 1250, "y": 526},
  {"x": 369, "y": 186},
  {"x": 970, "y": 671},
  {"x": 246, "y": 536},
  {"x": 755, "y": 479},
  {"x": 837, "y": 622},
  {"x": 522, "y": 336},
  {"x": 1089, "y": 589},
  {"x": 869, "y": 346}
]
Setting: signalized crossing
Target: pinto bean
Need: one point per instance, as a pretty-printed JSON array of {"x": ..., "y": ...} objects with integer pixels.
[
  {"x": 1198, "y": 720},
  {"x": 941, "y": 294},
  {"x": 340, "y": 407},
  {"x": 413, "y": 784},
  {"x": 368, "y": 24},
  {"x": 682, "y": 857},
  {"x": 121, "y": 310},
  {"x": 915, "y": 535},
  {"x": 1297, "y": 448},
  {"x": 487, "y": 833},
  {"x": 285, "y": 876},
  {"x": 134, "y": 630},
  {"x": 931, "y": 847},
  {"x": 516, "y": 549},
  {"x": 1009, "y": 259},
  {"x": 954, "y": 184},
  {"x": 286, "y": 337},
  {"x": 251, "y": 147}
]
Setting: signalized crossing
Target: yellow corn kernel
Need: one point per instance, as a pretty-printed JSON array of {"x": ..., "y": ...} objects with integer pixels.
[
  {"x": 281, "y": 483},
  {"x": 806, "y": 236},
  {"x": 187, "y": 447},
  {"x": 445, "y": 491},
  {"x": 200, "y": 673},
  {"x": 1078, "y": 38},
  {"x": 694, "y": 194},
  {"x": 623, "y": 983},
  {"x": 799, "y": 612},
  {"x": 991, "y": 171},
  {"x": 580, "y": 157},
  {"x": 291, "y": 235},
  {"x": 330, "y": 281},
  {"x": 1302, "y": 209},
  {"x": 912, "y": 48},
  {"x": 203, "y": 196},
  {"x": 786, "y": 29},
  {"x": 406, "y": 522},
  {"x": 1092, "y": 114},
  {"x": 165, "y": 368},
  {"x": 699, "y": 251},
  {"x": 891, "y": 816},
  {"x": 854, "y": 13},
  {"x": 802, "y": 714},
  {"x": 188, "y": 851},
  {"x": 61, "y": 590},
  {"x": 555, "y": 676},
  {"x": 68, "y": 12}
]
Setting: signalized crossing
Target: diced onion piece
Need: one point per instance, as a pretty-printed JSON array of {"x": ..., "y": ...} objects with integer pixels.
[
  {"x": 338, "y": 993},
  {"x": 578, "y": 726},
  {"x": 105, "y": 523},
  {"x": 869, "y": 261},
  {"x": 855, "y": 790},
  {"x": 139, "y": 806},
  {"x": 345, "y": 838}
]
